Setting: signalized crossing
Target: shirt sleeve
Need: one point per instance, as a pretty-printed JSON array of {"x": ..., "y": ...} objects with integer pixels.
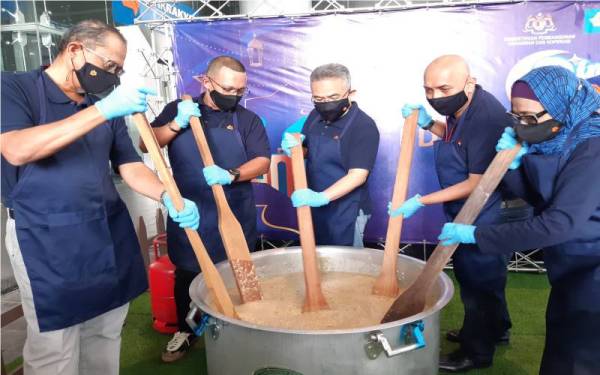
[
  {"x": 122, "y": 150},
  {"x": 365, "y": 137},
  {"x": 167, "y": 115},
  {"x": 576, "y": 196},
  {"x": 481, "y": 147},
  {"x": 256, "y": 140},
  {"x": 16, "y": 110}
]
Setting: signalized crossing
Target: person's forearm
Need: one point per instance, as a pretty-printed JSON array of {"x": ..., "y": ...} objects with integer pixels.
[
  {"x": 438, "y": 128},
  {"x": 142, "y": 180},
  {"x": 346, "y": 184},
  {"x": 163, "y": 134},
  {"x": 38, "y": 142},
  {"x": 452, "y": 193},
  {"x": 254, "y": 168}
]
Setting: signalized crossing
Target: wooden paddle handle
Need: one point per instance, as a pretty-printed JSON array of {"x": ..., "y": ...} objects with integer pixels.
[
  {"x": 200, "y": 137},
  {"x": 412, "y": 301},
  {"x": 387, "y": 283},
  {"x": 232, "y": 234},
  {"x": 212, "y": 277},
  {"x": 314, "y": 296}
]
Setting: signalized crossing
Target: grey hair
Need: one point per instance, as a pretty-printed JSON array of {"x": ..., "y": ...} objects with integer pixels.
[
  {"x": 332, "y": 70},
  {"x": 90, "y": 32}
]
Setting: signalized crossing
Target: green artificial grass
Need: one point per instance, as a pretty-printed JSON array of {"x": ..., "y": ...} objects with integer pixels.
[
  {"x": 527, "y": 295},
  {"x": 17, "y": 363}
]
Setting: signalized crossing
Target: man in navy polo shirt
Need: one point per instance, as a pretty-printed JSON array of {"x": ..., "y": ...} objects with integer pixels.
[
  {"x": 341, "y": 143},
  {"x": 474, "y": 122},
  {"x": 71, "y": 242},
  {"x": 240, "y": 149}
]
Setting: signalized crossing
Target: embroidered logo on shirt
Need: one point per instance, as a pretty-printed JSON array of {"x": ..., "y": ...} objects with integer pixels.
[
  {"x": 229, "y": 127},
  {"x": 93, "y": 73}
]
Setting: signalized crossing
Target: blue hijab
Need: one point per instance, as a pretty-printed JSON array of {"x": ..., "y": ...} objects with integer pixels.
[{"x": 568, "y": 99}]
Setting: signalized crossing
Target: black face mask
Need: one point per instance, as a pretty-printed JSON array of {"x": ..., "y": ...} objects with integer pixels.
[
  {"x": 450, "y": 104},
  {"x": 331, "y": 111},
  {"x": 225, "y": 102},
  {"x": 538, "y": 133},
  {"x": 95, "y": 80}
]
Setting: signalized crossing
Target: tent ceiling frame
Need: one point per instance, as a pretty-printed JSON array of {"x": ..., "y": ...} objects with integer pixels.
[{"x": 320, "y": 7}]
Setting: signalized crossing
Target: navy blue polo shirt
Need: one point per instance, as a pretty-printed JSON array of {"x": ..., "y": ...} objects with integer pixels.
[
  {"x": 483, "y": 124},
  {"x": 250, "y": 126},
  {"x": 359, "y": 144},
  {"x": 21, "y": 109}
]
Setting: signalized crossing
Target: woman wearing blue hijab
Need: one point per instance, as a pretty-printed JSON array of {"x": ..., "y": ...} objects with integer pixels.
[{"x": 558, "y": 173}]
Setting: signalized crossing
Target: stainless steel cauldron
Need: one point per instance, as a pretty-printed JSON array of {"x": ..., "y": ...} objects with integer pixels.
[{"x": 408, "y": 346}]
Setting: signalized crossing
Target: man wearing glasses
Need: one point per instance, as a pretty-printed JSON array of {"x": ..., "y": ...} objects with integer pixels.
[
  {"x": 474, "y": 122},
  {"x": 241, "y": 152},
  {"x": 341, "y": 143},
  {"x": 70, "y": 240}
]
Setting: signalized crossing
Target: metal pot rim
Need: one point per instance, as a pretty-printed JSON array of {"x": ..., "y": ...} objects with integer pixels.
[{"x": 447, "y": 292}]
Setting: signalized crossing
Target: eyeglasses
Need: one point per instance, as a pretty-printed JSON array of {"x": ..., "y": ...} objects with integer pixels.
[
  {"x": 109, "y": 65},
  {"x": 330, "y": 98},
  {"x": 229, "y": 90},
  {"x": 527, "y": 119}
]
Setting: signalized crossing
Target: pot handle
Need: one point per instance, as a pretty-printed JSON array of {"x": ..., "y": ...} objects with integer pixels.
[{"x": 411, "y": 334}]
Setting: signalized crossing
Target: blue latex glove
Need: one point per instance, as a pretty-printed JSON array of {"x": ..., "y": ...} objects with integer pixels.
[
  {"x": 217, "y": 175},
  {"x": 457, "y": 233},
  {"x": 186, "y": 109},
  {"x": 123, "y": 101},
  {"x": 308, "y": 197},
  {"x": 424, "y": 118},
  {"x": 407, "y": 209},
  {"x": 189, "y": 217},
  {"x": 297, "y": 126},
  {"x": 288, "y": 141},
  {"x": 507, "y": 141}
]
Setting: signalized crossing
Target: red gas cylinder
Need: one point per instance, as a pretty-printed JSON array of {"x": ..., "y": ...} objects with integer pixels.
[{"x": 162, "y": 282}]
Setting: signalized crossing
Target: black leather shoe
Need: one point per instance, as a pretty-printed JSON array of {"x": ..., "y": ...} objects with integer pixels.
[
  {"x": 454, "y": 336},
  {"x": 504, "y": 339},
  {"x": 459, "y": 362}
]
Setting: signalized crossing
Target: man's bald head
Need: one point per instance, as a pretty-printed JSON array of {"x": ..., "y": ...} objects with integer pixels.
[{"x": 447, "y": 75}]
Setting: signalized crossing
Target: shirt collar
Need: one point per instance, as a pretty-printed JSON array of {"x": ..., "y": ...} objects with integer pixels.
[
  {"x": 57, "y": 96},
  {"x": 342, "y": 121},
  {"x": 468, "y": 112}
]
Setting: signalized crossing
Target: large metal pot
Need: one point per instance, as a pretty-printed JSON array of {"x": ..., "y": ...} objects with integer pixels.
[{"x": 408, "y": 346}]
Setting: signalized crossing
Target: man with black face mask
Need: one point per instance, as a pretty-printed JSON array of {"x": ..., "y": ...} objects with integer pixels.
[
  {"x": 474, "y": 121},
  {"x": 341, "y": 143},
  {"x": 70, "y": 240},
  {"x": 241, "y": 151}
]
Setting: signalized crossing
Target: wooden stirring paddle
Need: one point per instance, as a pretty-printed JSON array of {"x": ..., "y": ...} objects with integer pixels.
[
  {"x": 231, "y": 231},
  {"x": 314, "y": 299},
  {"x": 387, "y": 281},
  {"x": 413, "y": 300},
  {"x": 213, "y": 279}
]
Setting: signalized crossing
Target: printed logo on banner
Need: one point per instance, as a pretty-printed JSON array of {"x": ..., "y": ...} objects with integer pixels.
[
  {"x": 539, "y": 24},
  {"x": 583, "y": 68},
  {"x": 540, "y": 30},
  {"x": 591, "y": 23}
]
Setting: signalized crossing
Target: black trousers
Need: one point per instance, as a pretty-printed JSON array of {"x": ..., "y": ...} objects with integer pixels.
[
  {"x": 183, "y": 280},
  {"x": 482, "y": 279}
]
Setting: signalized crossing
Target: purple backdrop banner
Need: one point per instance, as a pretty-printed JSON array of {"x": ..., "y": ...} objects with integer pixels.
[{"x": 386, "y": 54}]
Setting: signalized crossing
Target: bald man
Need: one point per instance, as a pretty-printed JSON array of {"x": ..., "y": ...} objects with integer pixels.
[
  {"x": 241, "y": 151},
  {"x": 474, "y": 121}
]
